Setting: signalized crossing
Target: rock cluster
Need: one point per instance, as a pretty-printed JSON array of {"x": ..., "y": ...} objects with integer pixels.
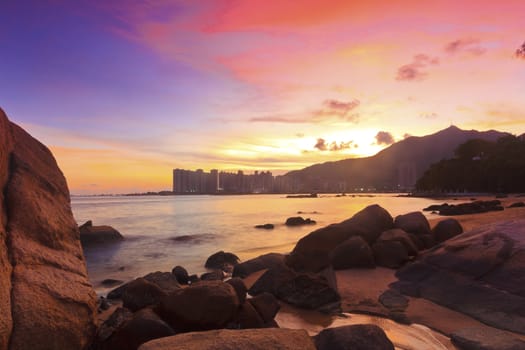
[
  {"x": 46, "y": 300},
  {"x": 475, "y": 207},
  {"x": 371, "y": 237}
]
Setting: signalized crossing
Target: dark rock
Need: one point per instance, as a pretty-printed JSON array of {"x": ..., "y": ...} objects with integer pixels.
[
  {"x": 435, "y": 207},
  {"x": 221, "y": 260},
  {"x": 312, "y": 252},
  {"x": 414, "y": 222},
  {"x": 253, "y": 339},
  {"x": 400, "y": 236},
  {"x": 141, "y": 293},
  {"x": 193, "y": 279},
  {"x": 298, "y": 221},
  {"x": 266, "y": 306},
  {"x": 480, "y": 273},
  {"x": 472, "y": 208},
  {"x": 90, "y": 234},
  {"x": 265, "y": 226},
  {"x": 216, "y": 275},
  {"x": 354, "y": 252},
  {"x": 46, "y": 299},
  {"x": 114, "y": 322},
  {"x": 262, "y": 262},
  {"x": 309, "y": 291},
  {"x": 164, "y": 280},
  {"x": 181, "y": 275},
  {"x": 203, "y": 305},
  {"x": 240, "y": 288},
  {"x": 117, "y": 292},
  {"x": 486, "y": 339},
  {"x": 110, "y": 282},
  {"x": 418, "y": 242},
  {"x": 428, "y": 240},
  {"x": 517, "y": 205},
  {"x": 103, "y": 304},
  {"x": 247, "y": 317},
  {"x": 393, "y": 300},
  {"x": 447, "y": 229},
  {"x": 391, "y": 254},
  {"x": 144, "y": 326},
  {"x": 355, "y": 337}
]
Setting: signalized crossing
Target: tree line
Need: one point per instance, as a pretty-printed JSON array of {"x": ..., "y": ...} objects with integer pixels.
[{"x": 479, "y": 166}]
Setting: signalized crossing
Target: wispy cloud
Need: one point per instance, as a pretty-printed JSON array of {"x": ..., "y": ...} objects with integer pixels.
[
  {"x": 415, "y": 70},
  {"x": 333, "y": 146},
  {"x": 431, "y": 115},
  {"x": 520, "y": 52},
  {"x": 469, "y": 45},
  {"x": 384, "y": 138}
]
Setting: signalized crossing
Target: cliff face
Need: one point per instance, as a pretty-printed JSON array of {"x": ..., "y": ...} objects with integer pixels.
[{"x": 46, "y": 300}]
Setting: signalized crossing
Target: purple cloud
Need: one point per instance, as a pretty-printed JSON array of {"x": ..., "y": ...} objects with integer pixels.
[
  {"x": 415, "y": 70},
  {"x": 384, "y": 138},
  {"x": 333, "y": 146},
  {"x": 465, "y": 45},
  {"x": 520, "y": 52}
]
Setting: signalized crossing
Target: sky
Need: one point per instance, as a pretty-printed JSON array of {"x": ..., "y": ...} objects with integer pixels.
[{"x": 122, "y": 92}]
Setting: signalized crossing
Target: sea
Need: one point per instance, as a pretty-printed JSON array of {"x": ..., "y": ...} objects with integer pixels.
[{"x": 162, "y": 232}]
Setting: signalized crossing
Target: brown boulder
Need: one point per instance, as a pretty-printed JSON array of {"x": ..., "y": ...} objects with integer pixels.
[
  {"x": 90, "y": 234},
  {"x": 258, "y": 339},
  {"x": 262, "y": 262},
  {"x": 141, "y": 293},
  {"x": 391, "y": 254},
  {"x": 414, "y": 222},
  {"x": 46, "y": 300},
  {"x": 354, "y": 252},
  {"x": 203, "y": 305},
  {"x": 266, "y": 305},
  {"x": 247, "y": 317},
  {"x": 222, "y": 261},
  {"x": 400, "y": 236},
  {"x": 354, "y": 337},
  {"x": 446, "y": 229},
  {"x": 240, "y": 288}
]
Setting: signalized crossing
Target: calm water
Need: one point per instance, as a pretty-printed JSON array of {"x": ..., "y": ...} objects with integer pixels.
[{"x": 213, "y": 223}]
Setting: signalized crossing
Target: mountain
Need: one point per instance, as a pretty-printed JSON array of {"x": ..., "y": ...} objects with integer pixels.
[{"x": 396, "y": 167}]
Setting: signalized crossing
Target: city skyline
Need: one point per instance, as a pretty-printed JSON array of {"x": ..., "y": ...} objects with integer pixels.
[{"x": 123, "y": 92}]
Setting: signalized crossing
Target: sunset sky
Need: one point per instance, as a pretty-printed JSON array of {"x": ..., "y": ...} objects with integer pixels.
[{"x": 124, "y": 91}]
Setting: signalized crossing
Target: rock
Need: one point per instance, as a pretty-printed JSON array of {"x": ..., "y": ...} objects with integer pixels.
[
  {"x": 221, "y": 260},
  {"x": 480, "y": 273},
  {"x": 262, "y": 262},
  {"x": 391, "y": 254},
  {"x": 247, "y": 317},
  {"x": 308, "y": 291},
  {"x": 471, "y": 208},
  {"x": 414, "y": 222},
  {"x": 393, "y": 300},
  {"x": 103, "y": 304},
  {"x": 517, "y": 205},
  {"x": 265, "y": 226},
  {"x": 298, "y": 221},
  {"x": 400, "y": 236},
  {"x": 266, "y": 306},
  {"x": 145, "y": 325},
  {"x": 110, "y": 282},
  {"x": 114, "y": 322},
  {"x": 90, "y": 234},
  {"x": 428, "y": 240},
  {"x": 446, "y": 229},
  {"x": 193, "y": 279},
  {"x": 46, "y": 299},
  {"x": 141, "y": 293},
  {"x": 240, "y": 288},
  {"x": 258, "y": 339},
  {"x": 164, "y": 280},
  {"x": 354, "y": 337},
  {"x": 354, "y": 252},
  {"x": 181, "y": 275},
  {"x": 203, "y": 305},
  {"x": 312, "y": 252},
  {"x": 486, "y": 339},
  {"x": 216, "y": 275}
]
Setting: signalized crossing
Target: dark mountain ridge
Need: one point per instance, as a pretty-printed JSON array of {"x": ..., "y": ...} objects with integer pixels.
[{"x": 395, "y": 168}]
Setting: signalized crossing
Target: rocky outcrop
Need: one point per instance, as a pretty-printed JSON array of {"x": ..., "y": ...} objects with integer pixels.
[
  {"x": 355, "y": 337},
  {"x": 46, "y": 300},
  {"x": 446, "y": 229},
  {"x": 90, "y": 234},
  {"x": 260, "y": 339},
  {"x": 480, "y": 273},
  {"x": 354, "y": 252},
  {"x": 262, "y": 262},
  {"x": 475, "y": 207},
  {"x": 486, "y": 339},
  {"x": 222, "y": 261},
  {"x": 298, "y": 221}
]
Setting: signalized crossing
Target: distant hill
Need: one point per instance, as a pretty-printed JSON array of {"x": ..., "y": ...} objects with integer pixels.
[{"x": 396, "y": 167}]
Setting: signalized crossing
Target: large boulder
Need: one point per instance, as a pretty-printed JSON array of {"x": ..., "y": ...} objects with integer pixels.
[
  {"x": 46, "y": 299},
  {"x": 400, "y": 236},
  {"x": 353, "y": 337},
  {"x": 201, "y": 306},
  {"x": 262, "y": 262},
  {"x": 354, "y": 252},
  {"x": 165, "y": 281},
  {"x": 90, "y": 234},
  {"x": 298, "y": 221},
  {"x": 391, "y": 254},
  {"x": 486, "y": 339},
  {"x": 304, "y": 290},
  {"x": 222, "y": 261},
  {"x": 414, "y": 222},
  {"x": 480, "y": 273},
  {"x": 141, "y": 293},
  {"x": 446, "y": 229},
  {"x": 258, "y": 339},
  {"x": 312, "y": 252}
]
